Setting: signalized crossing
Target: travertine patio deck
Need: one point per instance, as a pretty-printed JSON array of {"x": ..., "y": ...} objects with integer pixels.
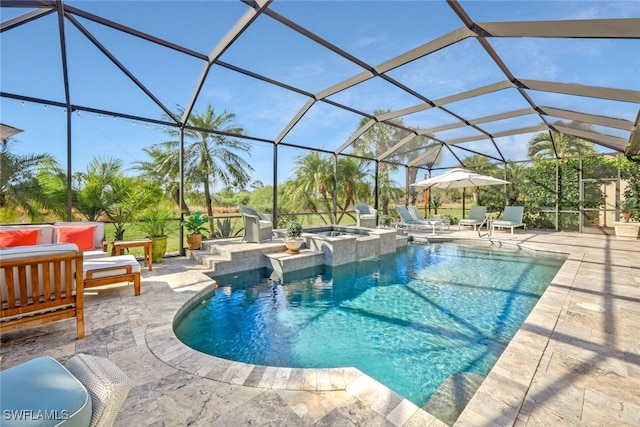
[{"x": 575, "y": 361}]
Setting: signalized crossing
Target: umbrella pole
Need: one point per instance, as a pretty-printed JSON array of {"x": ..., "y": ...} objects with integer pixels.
[
  {"x": 464, "y": 197},
  {"x": 425, "y": 198}
]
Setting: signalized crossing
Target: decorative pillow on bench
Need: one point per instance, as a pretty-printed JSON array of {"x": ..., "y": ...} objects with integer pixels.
[
  {"x": 81, "y": 235},
  {"x": 12, "y": 238}
]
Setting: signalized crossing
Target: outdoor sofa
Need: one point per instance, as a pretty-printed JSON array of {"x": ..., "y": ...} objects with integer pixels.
[{"x": 43, "y": 282}]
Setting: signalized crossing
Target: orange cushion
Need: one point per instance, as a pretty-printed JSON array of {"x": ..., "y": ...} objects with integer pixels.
[
  {"x": 11, "y": 238},
  {"x": 81, "y": 235}
]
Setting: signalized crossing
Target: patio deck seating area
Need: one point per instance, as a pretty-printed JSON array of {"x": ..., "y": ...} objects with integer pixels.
[{"x": 575, "y": 360}]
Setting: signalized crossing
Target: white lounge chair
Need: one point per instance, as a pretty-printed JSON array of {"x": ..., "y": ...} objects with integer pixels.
[
  {"x": 415, "y": 213},
  {"x": 366, "y": 216},
  {"x": 511, "y": 218},
  {"x": 476, "y": 217},
  {"x": 408, "y": 221}
]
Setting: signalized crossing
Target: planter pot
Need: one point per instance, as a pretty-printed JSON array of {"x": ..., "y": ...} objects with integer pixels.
[
  {"x": 627, "y": 229},
  {"x": 159, "y": 247},
  {"x": 293, "y": 245},
  {"x": 194, "y": 241}
]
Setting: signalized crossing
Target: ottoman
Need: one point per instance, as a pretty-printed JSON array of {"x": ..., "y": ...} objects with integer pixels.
[
  {"x": 112, "y": 269},
  {"x": 42, "y": 392}
]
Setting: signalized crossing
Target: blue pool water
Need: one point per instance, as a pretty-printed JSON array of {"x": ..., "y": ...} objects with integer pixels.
[{"x": 409, "y": 320}]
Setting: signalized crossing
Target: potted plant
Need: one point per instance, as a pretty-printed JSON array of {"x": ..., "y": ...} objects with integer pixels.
[
  {"x": 293, "y": 241},
  {"x": 195, "y": 226},
  {"x": 384, "y": 221},
  {"x": 154, "y": 222},
  {"x": 626, "y": 228},
  {"x": 628, "y": 206}
]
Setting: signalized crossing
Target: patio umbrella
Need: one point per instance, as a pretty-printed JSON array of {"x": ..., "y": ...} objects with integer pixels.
[
  {"x": 6, "y": 131},
  {"x": 458, "y": 178}
]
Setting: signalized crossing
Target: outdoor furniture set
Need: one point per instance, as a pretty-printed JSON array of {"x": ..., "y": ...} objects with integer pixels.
[
  {"x": 511, "y": 218},
  {"x": 44, "y": 270}
]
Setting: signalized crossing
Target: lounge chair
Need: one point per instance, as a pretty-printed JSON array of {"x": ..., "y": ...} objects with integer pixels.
[
  {"x": 258, "y": 226},
  {"x": 476, "y": 217},
  {"x": 366, "y": 216},
  {"x": 415, "y": 213},
  {"x": 408, "y": 221},
  {"x": 511, "y": 218}
]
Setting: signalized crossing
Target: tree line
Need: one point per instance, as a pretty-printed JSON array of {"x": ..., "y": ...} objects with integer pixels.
[{"x": 36, "y": 185}]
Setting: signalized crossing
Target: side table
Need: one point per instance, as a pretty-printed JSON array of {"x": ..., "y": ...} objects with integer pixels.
[{"x": 147, "y": 244}]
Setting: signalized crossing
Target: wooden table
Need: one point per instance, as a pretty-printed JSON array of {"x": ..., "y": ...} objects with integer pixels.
[{"x": 120, "y": 245}]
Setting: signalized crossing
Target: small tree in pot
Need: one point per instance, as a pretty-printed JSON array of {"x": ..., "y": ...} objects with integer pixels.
[
  {"x": 154, "y": 222},
  {"x": 195, "y": 226},
  {"x": 293, "y": 240}
]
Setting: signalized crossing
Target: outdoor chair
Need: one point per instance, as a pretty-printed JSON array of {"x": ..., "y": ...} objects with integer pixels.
[
  {"x": 408, "y": 221},
  {"x": 511, "y": 218},
  {"x": 86, "y": 391},
  {"x": 415, "y": 213},
  {"x": 476, "y": 217},
  {"x": 258, "y": 226},
  {"x": 366, "y": 216}
]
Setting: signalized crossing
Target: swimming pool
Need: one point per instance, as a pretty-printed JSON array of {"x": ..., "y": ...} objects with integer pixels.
[{"x": 410, "y": 320}]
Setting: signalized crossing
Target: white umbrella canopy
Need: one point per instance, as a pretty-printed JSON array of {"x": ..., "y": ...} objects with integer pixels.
[
  {"x": 6, "y": 131},
  {"x": 458, "y": 178}
]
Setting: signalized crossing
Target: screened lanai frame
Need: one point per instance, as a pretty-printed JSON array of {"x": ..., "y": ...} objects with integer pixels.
[{"x": 460, "y": 135}]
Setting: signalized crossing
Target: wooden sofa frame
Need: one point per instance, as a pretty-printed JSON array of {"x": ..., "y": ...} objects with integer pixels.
[{"x": 55, "y": 295}]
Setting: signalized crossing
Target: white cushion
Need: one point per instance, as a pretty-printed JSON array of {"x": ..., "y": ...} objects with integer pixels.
[
  {"x": 37, "y": 250},
  {"x": 264, "y": 224},
  {"x": 112, "y": 261}
]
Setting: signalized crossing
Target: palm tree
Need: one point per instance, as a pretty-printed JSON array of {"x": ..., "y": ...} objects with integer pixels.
[
  {"x": 92, "y": 196},
  {"x": 313, "y": 184},
  {"x": 374, "y": 142},
  {"x": 164, "y": 169},
  {"x": 130, "y": 196},
  {"x": 351, "y": 185},
  {"x": 211, "y": 155},
  {"x": 556, "y": 144},
  {"x": 18, "y": 186}
]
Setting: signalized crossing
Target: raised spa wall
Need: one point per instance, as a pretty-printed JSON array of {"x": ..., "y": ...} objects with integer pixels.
[{"x": 350, "y": 245}]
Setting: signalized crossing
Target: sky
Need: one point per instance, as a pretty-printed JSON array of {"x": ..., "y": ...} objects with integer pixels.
[{"x": 373, "y": 31}]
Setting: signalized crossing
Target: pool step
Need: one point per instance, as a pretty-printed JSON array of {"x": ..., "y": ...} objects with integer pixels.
[
  {"x": 448, "y": 402},
  {"x": 282, "y": 263},
  {"x": 224, "y": 256}
]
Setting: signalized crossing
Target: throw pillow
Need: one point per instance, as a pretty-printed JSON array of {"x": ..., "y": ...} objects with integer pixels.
[
  {"x": 81, "y": 235},
  {"x": 11, "y": 238}
]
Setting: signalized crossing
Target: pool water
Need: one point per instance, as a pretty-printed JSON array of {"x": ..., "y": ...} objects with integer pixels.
[{"x": 408, "y": 320}]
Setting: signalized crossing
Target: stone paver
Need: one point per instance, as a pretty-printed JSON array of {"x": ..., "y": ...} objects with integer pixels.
[{"x": 575, "y": 361}]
